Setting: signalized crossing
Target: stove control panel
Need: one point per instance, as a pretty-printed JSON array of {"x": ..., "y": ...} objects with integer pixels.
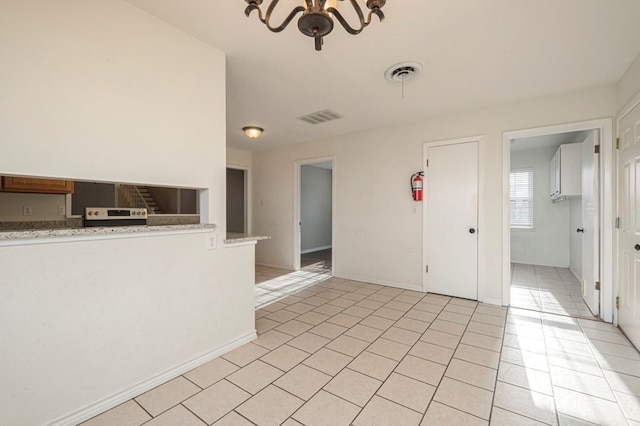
[{"x": 114, "y": 216}]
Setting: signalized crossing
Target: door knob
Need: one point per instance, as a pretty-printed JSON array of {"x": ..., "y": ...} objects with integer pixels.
[
  {"x": 580, "y": 230},
  {"x": 472, "y": 231},
  {"x": 637, "y": 247}
]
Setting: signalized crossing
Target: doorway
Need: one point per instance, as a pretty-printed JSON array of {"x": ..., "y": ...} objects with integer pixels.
[
  {"x": 237, "y": 211},
  {"x": 451, "y": 218},
  {"x": 313, "y": 242},
  {"x": 555, "y": 206}
]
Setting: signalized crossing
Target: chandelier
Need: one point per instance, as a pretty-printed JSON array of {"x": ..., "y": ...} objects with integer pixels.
[{"x": 317, "y": 17}]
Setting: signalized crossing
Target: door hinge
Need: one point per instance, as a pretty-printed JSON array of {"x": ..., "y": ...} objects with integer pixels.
[
  {"x": 617, "y": 302},
  {"x": 597, "y": 285},
  {"x": 617, "y": 143},
  {"x": 617, "y": 223},
  {"x": 426, "y": 269},
  {"x": 427, "y": 162},
  {"x": 596, "y": 149}
]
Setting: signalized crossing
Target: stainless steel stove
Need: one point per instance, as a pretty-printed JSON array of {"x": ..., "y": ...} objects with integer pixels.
[{"x": 114, "y": 216}]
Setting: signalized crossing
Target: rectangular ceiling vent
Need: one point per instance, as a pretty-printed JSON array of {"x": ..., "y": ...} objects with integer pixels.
[{"x": 321, "y": 117}]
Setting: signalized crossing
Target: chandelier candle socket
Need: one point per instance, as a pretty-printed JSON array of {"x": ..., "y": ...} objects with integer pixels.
[{"x": 317, "y": 17}]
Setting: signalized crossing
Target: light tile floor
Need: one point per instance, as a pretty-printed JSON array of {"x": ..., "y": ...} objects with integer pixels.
[
  {"x": 273, "y": 284},
  {"x": 547, "y": 289},
  {"x": 350, "y": 353}
]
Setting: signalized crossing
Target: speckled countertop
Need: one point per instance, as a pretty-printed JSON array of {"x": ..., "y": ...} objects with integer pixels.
[
  {"x": 97, "y": 231},
  {"x": 233, "y": 237}
]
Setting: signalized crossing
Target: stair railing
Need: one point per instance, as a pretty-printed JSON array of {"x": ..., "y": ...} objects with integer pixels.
[{"x": 134, "y": 197}]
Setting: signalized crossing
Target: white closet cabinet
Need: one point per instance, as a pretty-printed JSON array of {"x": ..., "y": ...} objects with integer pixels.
[{"x": 565, "y": 171}]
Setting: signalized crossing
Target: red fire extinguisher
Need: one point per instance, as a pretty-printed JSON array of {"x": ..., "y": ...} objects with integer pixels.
[{"x": 416, "y": 186}]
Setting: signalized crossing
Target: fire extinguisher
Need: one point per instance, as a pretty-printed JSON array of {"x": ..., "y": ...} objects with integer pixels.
[{"x": 416, "y": 186}]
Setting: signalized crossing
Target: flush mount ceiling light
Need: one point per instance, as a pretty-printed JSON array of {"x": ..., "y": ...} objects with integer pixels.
[
  {"x": 252, "y": 131},
  {"x": 317, "y": 16}
]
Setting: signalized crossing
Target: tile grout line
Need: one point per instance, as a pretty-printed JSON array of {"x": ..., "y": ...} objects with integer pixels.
[
  {"x": 449, "y": 363},
  {"x": 521, "y": 387},
  {"x": 347, "y": 366},
  {"x": 495, "y": 385},
  {"x": 606, "y": 378}
]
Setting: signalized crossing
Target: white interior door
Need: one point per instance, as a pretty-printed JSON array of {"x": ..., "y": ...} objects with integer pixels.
[
  {"x": 629, "y": 232},
  {"x": 590, "y": 223},
  {"x": 451, "y": 185}
]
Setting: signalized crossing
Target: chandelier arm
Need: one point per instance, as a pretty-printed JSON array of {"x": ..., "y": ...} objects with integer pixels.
[
  {"x": 287, "y": 20},
  {"x": 348, "y": 28},
  {"x": 344, "y": 22},
  {"x": 253, "y": 7},
  {"x": 378, "y": 12}
]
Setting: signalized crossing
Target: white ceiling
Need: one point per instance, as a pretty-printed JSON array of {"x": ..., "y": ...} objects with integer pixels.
[
  {"x": 548, "y": 141},
  {"x": 475, "y": 53}
]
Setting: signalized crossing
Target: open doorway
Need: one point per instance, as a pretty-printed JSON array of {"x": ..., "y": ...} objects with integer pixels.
[
  {"x": 237, "y": 217},
  {"x": 313, "y": 249},
  {"x": 555, "y": 206}
]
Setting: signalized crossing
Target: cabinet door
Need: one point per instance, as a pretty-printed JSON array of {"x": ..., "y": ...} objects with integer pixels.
[
  {"x": 41, "y": 186},
  {"x": 554, "y": 174}
]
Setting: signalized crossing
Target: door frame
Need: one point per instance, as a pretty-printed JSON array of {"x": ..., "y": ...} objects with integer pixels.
[
  {"x": 607, "y": 204},
  {"x": 296, "y": 208},
  {"x": 480, "y": 227},
  {"x": 247, "y": 195}
]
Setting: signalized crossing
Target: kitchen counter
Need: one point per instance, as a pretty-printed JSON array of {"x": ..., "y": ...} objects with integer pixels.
[
  {"x": 75, "y": 222},
  {"x": 59, "y": 235},
  {"x": 234, "y": 237}
]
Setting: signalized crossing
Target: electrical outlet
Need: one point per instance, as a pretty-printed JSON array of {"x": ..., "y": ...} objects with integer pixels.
[
  {"x": 61, "y": 210},
  {"x": 212, "y": 241},
  {"x": 27, "y": 210}
]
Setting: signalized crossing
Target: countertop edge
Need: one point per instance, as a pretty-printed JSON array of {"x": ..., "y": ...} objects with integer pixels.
[
  {"x": 98, "y": 233},
  {"x": 234, "y": 238}
]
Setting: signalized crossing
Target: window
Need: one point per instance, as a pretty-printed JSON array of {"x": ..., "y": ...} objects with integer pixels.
[{"x": 522, "y": 198}]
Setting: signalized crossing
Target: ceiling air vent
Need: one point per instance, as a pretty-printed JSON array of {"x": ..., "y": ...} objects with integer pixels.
[{"x": 320, "y": 117}]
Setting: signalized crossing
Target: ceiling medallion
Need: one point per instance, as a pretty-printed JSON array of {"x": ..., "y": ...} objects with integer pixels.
[{"x": 317, "y": 17}]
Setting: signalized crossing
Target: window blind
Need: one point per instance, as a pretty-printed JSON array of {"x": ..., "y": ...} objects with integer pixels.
[{"x": 521, "y": 198}]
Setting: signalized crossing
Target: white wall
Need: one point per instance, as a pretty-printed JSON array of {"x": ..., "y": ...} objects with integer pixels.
[
  {"x": 101, "y": 91},
  {"x": 84, "y": 320},
  {"x": 315, "y": 208},
  {"x": 378, "y": 236},
  {"x": 548, "y": 242},
  {"x": 238, "y": 158},
  {"x": 629, "y": 84}
]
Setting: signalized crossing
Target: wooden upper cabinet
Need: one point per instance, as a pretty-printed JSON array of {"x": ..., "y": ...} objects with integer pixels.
[{"x": 38, "y": 186}]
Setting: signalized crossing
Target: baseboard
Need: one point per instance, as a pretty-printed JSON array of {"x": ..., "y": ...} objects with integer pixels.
[
  {"x": 269, "y": 265},
  {"x": 576, "y": 276},
  {"x": 311, "y": 250},
  {"x": 490, "y": 301},
  {"x": 540, "y": 264},
  {"x": 118, "y": 398},
  {"x": 380, "y": 282}
]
